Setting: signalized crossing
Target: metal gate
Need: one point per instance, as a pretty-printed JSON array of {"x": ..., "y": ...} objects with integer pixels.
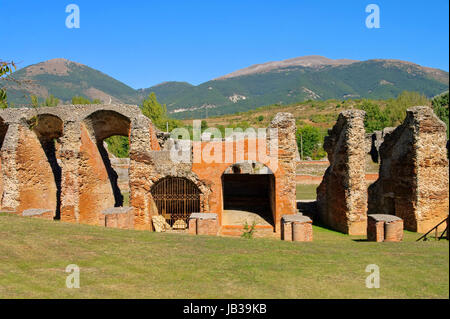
[{"x": 176, "y": 198}]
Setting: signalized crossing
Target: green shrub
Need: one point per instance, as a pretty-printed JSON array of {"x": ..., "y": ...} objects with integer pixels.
[{"x": 249, "y": 230}]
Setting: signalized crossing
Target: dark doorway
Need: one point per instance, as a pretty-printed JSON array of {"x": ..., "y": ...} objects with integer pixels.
[{"x": 250, "y": 193}]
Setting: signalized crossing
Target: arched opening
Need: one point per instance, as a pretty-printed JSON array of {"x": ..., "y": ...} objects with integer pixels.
[
  {"x": 248, "y": 194},
  {"x": 48, "y": 129},
  {"x": 176, "y": 198},
  {"x": 110, "y": 131}
]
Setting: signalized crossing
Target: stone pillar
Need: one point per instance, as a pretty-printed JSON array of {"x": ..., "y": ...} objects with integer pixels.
[
  {"x": 342, "y": 195},
  {"x": 285, "y": 184},
  {"x": 413, "y": 182},
  {"x": 296, "y": 228},
  {"x": 141, "y": 171},
  {"x": 384, "y": 228},
  {"x": 69, "y": 157},
  {"x": 10, "y": 196},
  {"x": 203, "y": 224}
]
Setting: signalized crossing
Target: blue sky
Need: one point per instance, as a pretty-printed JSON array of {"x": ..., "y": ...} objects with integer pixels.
[{"x": 143, "y": 43}]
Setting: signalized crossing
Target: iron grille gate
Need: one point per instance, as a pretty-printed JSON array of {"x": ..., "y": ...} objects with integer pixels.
[{"x": 176, "y": 198}]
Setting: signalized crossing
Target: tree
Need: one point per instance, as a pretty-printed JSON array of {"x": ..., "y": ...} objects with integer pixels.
[
  {"x": 3, "y": 100},
  {"x": 440, "y": 108},
  {"x": 308, "y": 139},
  {"x": 34, "y": 101},
  {"x": 397, "y": 107},
  {"x": 118, "y": 145},
  {"x": 157, "y": 113},
  {"x": 376, "y": 118},
  {"x": 154, "y": 110},
  {"x": 80, "y": 100},
  {"x": 204, "y": 125},
  {"x": 51, "y": 101},
  {"x": 6, "y": 69}
]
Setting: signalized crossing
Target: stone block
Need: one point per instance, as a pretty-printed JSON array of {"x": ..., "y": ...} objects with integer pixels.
[
  {"x": 203, "y": 224},
  {"x": 384, "y": 228},
  {"x": 117, "y": 217},
  {"x": 296, "y": 228},
  {"x": 39, "y": 213}
]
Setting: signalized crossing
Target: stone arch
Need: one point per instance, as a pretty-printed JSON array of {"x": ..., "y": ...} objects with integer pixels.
[
  {"x": 102, "y": 124},
  {"x": 248, "y": 192},
  {"x": 99, "y": 188},
  {"x": 38, "y": 170}
]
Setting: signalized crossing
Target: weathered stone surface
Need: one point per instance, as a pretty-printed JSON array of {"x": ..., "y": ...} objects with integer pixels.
[
  {"x": 55, "y": 158},
  {"x": 296, "y": 228},
  {"x": 342, "y": 195},
  {"x": 95, "y": 192},
  {"x": 382, "y": 227},
  {"x": 117, "y": 217},
  {"x": 41, "y": 213},
  {"x": 67, "y": 175},
  {"x": 207, "y": 227},
  {"x": 179, "y": 224},
  {"x": 413, "y": 183},
  {"x": 203, "y": 224},
  {"x": 203, "y": 216},
  {"x": 160, "y": 224}
]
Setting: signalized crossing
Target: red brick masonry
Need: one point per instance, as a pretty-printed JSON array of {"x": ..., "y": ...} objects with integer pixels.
[
  {"x": 296, "y": 228},
  {"x": 117, "y": 217},
  {"x": 203, "y": 224},
  {"x": 382, "y": 227}
]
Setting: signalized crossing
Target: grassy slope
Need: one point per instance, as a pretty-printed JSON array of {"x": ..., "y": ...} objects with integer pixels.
[
  {"x": 138, "y": 264},
  {"x": 321, "y": 114}
]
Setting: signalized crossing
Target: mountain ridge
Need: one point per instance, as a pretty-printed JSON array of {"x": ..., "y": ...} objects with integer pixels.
[{"x": 277, "y": 82}]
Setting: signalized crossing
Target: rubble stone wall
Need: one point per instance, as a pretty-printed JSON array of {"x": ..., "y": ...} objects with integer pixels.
[
  {"x": 342, "y": 195},
  {"x": 413, "y": 182}
]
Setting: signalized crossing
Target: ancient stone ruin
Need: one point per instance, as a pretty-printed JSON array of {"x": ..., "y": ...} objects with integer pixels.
[
  {"x": 414, "y": 179},
  {"x": 342, "y": 195},
  {"x": 54, "y": 165},
  {"x": 54, "y": 161}
]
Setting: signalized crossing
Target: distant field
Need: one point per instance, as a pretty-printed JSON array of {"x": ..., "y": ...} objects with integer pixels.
[
  {"x": 306, "y": 191},
  {"x": 139, "y": 264}
]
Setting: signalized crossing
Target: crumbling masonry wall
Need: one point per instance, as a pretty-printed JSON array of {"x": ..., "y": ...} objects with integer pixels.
[
  {"x": 51, "y": 159},
  {"x": 342, "y": 195},
  {"x": 413, "y": 182},
  {"x": 34, "y": 174}
]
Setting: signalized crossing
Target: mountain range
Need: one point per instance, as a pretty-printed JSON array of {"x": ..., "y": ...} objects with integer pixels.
[{"x": 279, "y": 82}]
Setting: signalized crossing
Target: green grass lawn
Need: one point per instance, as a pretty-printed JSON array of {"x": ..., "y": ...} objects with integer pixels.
[
  {"x": 306, "y": 191},
  {"x": 140, "y": 264}
]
